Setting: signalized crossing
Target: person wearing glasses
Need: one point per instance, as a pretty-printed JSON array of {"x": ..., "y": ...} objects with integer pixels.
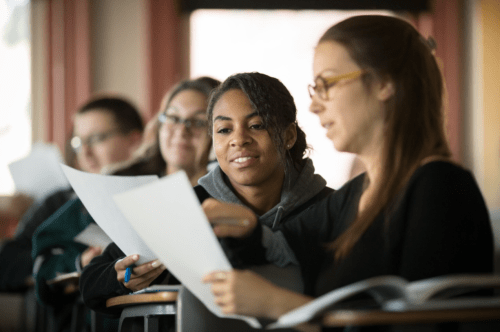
[
  {"x": 177, "y": 140},
  {"x": 107, "y": 129},
  {"x": 260, "y": 151},
  {"x": 415, "y": 213},
  {"x": 181, "y": 142},
  {"x": 91, "y": 122}
]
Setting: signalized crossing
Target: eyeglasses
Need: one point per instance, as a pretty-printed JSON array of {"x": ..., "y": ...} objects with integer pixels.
[
  {"x": 77, "y": 142},
  {"x": 193, "y": 124},
  {"x": 322, "y": 85}
]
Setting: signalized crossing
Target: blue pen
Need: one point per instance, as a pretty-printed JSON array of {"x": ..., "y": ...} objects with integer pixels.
[{"x": 128, "y": 273}]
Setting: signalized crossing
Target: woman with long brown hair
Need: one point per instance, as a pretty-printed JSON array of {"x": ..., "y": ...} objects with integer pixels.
[
  {"x": 415, "y": 213},
  {"x": 180, "y": 141},
  {"x": 262, "y": 164}
]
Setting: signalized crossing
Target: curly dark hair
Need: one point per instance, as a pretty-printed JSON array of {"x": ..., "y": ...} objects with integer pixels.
[{"x": 274, "y": 104}]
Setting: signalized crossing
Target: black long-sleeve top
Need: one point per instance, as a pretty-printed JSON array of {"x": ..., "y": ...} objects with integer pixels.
[
  {"x": 440, "y": 225},
  {"x": 98, "y": 281}
]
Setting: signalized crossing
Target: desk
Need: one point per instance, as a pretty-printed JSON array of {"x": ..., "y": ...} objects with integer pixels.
[
  {"x": 135, "y": 299},
  {"x": 68, "y": 284},
  {"x": 148, "y": 306},
  {"x": 68, "y": 281},
  {"x": 340, "y": 318}
]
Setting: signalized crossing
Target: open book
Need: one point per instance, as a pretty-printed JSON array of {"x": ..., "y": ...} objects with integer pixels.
[{"x": 393, "y": 293}]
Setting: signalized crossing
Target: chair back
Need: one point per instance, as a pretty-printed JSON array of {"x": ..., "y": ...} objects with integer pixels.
[{"x": 192, "y": 315}]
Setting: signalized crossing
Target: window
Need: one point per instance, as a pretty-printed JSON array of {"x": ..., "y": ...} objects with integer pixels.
[
  {"x": 278, "y": 43},
  {"x": 15, "y": 111}
]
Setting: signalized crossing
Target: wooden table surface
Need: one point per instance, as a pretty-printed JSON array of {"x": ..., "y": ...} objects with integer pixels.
[
  {"x": 68, "y": 282},
  {"x": 170, "y": 296}
]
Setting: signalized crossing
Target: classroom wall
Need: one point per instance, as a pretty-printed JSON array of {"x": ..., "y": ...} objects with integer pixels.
[
  {"x": 88, "y": 47},
  {"x": 118, "y": 48}
]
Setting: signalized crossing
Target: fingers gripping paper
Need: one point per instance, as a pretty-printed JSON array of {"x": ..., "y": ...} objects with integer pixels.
[{"x": 168, "y": 217}]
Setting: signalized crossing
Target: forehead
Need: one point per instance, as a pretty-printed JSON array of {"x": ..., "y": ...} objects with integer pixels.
[
  {"x": 188, "y": 103},
  {"x": 233, "y": 104},
  {"x": 93, "y": 121},
  {"x": 332, "y": 58}
]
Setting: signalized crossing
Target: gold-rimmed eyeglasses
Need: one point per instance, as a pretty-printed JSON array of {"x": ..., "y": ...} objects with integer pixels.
[{"x": 323, "y": 84}]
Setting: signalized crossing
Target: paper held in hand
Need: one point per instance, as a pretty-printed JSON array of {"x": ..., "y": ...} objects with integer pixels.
[
  {"x": 96, "y": 193},
  {"x": 168, "y": 217}
]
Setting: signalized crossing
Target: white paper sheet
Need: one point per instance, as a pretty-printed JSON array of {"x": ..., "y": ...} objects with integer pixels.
[
  {"x": 96, "y": 193},
  {"x": 39, "y": 174},
  {"x": 93, "y": 236},
  {"x": 168, "y": 217}
]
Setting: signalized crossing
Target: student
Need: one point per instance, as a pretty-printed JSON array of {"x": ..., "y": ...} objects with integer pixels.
[
  {"x": 260, "y": 150},
  {"x": 415, "y": 213},
  {"x": 181, "y": 143},
  {"x": 104, "y": 124},
  {"x": 106, "y": 130}
]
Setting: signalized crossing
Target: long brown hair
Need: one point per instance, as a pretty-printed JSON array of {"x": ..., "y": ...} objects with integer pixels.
[{"x": 390, "y": 48}]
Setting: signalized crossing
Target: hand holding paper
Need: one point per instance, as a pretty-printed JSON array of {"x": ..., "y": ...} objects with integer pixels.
[
  {"x": 139, "y": 277},
  {"x": 246, "y": 292},
  {"x": 177, "y": 232}
]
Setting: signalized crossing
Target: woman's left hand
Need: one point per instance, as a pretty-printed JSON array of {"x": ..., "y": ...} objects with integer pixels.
[
  {"x": 244, "y": 292},
  {"x": 241, "y": 292}
]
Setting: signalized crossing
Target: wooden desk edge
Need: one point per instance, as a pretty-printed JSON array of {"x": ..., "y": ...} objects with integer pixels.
[
  {"x": 142, "y": 298},
  {"x": 377, "y": 317},
  {"x": 72, "y": 277}
]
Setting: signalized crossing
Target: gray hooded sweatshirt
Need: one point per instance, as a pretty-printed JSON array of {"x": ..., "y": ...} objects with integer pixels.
[{"x": 299, "y": 187}]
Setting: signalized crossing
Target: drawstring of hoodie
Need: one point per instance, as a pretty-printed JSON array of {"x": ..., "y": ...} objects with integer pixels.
[{"x": 277, "y": 219}]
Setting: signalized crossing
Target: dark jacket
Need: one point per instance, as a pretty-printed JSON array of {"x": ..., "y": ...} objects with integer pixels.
[
  {"x": 438, "y": 225},
  {"x": 16, "y": 264}
]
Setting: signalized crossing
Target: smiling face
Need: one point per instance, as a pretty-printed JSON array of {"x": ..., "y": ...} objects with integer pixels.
[
  {"x": 181, "y": 147},
  {"x": 244, "y": 148},
  {"x": 353, "y": 115}
]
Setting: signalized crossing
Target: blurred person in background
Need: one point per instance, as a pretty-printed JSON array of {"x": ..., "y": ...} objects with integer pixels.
[
  {"x": 175, "y": 140},
  {"x": 106, "y": 130}
]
